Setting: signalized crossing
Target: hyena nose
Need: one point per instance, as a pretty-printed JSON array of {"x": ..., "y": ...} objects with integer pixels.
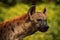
[{"x": 43, "y": 28}]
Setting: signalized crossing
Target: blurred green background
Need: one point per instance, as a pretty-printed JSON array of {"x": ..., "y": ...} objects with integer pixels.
[{"x": 12, "y": 8}]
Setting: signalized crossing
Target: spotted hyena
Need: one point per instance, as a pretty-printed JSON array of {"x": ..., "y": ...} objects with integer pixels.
[{"x": 26, "y": 25}]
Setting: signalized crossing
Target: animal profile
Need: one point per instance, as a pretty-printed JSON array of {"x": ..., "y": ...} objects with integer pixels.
[{"x": 25, "y": 25}]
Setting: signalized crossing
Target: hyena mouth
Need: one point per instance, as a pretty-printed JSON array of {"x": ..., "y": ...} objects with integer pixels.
[{"x": 43, "y": 29}]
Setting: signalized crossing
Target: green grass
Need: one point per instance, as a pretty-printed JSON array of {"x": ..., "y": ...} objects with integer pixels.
[
  {"x": 11, "y": 12},
  {"x": 53, "y": 17}
]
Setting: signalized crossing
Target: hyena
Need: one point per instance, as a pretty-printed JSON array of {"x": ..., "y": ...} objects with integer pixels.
[{"x": 24, "y": 26}]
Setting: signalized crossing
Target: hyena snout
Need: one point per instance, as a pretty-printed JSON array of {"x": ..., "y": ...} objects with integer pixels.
[{"x": 43, "y": 28}]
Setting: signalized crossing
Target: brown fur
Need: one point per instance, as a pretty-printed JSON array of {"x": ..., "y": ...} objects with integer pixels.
[
  {"x": 22, "y": 26},
  {"x": 14, "y": 20},
  {"x": 6, "y": 26}
]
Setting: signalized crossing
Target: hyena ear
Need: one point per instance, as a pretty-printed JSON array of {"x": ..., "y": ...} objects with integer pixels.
[
  {"x": 31, "y": 10},
  {"x": 44, "y": 10}
]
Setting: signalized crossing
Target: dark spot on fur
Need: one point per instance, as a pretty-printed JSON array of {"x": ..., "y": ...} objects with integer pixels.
[
  {"x": 18, "y": 23},
  {"x": 39, "y": 19},
  {"x": 19, "y": 36},
  {"x": 4, "y": 26},
  {"x": 0, "y": 31},
  {"x": 8, "y": 28},
  {"x": 12, "y": 29},
  {"x": 9, "y": 24}
]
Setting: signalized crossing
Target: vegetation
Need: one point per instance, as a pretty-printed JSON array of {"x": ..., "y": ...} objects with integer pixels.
[{"x": 53, "y": 18}]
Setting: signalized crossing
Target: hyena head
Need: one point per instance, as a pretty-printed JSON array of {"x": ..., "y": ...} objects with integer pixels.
[{"x": 38, "y": 19}]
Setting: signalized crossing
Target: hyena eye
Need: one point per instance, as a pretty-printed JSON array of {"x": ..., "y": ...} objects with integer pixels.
[{"x": 39, "y": 19}]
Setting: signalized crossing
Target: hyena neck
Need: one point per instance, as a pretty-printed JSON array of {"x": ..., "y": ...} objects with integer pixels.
[{"x": 17, "y": 28}]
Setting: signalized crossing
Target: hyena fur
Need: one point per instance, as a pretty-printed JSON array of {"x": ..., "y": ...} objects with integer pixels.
[{"x": 26, "y": 25}]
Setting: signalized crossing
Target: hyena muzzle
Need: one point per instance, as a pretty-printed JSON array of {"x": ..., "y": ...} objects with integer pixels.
[{"x": 20, "y": 28}]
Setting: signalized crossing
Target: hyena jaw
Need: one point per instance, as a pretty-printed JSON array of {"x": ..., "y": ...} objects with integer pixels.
[{"x": 21, "y": 27}]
